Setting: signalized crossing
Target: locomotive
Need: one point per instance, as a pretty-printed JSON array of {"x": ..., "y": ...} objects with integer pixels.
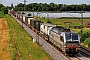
[
  {"x": 64, "y": 39},
  {"x": 67, "y": 41}
]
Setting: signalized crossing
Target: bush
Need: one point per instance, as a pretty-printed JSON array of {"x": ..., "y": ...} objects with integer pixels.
[
  {"x": 23, "y": 12},
  {"x": 4, "y": 10},
  {"x": 85, "y": 36},
  {"x": 48, "y": 21},
  {"x": 1, "y": 5},
  {"x": 29, "y": 14},
  {"x": 87, "y": 42}
]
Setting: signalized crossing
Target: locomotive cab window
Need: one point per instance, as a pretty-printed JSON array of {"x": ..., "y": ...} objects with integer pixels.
[
  {"x": 71, "y": 37},
  {"x": 75, "y": 37},
  {"x": 68, "y": 37}
]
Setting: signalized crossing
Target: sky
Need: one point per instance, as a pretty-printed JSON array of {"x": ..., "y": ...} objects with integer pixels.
[{"x": 15, "y": 2}]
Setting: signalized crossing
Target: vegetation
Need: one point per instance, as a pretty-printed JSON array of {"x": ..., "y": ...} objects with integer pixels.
[
  {"x": 29, "y": 14},
  {"x": 85, "y": 38},
  {"x": 17, "y": 32},
  {"x": 1, "y": 5},
  {"x": 4, "y": 10},
  {"x": 52, "y": 7},
  {"x": 65, "y": 22},
  {"x": 1, "y": 14}
]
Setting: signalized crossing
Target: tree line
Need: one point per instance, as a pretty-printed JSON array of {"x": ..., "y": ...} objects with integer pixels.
[{"x": 51, "y": 7}]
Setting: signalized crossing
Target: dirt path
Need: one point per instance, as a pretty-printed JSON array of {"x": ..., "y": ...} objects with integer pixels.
[{"x": 4, "y": 51}]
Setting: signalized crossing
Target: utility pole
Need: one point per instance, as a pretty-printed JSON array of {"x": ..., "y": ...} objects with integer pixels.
[
  {"x": 25, "y": 5},
  {"x": 37, "y": 14},
  {"x": 82, "y": 22},
  {"x": 48, "y": 16},
  {"x": 24, "y": 10}
]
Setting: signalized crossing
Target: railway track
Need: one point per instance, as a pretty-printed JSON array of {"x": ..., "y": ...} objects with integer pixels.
[
  {"x": 85, "y": 51},
  {"x": 76, "y": 57},
  {"x": 68, "y": 57}
]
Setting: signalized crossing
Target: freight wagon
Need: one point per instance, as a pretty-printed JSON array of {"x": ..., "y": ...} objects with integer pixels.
[
  {"x": 45, "y": 28},
  {"x": 35, "y": 24},
  {"x": 26, "y": 19},
  {"x": 13, "y": 12},
  {"x": 19, "y": 16}
]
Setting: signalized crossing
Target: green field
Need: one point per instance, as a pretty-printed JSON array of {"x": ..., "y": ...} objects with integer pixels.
[{"x": 18, "y": 34}]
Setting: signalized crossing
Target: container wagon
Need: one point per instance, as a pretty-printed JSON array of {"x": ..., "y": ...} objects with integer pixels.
[{"x": 35, "y": 24}]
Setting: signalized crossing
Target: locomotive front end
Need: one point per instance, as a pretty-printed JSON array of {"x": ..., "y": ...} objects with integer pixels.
[{"x": 72, "y": 43}]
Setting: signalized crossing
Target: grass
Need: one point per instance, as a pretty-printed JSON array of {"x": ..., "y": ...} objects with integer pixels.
[
  {"x": 35, "y": 50},
  {"x": 1, "y": 14},
  {"x": 20, "y": 46}
]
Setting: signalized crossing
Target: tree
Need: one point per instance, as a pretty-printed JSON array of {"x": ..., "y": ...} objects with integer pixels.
[
  {"x": 45, "y": 7},
  {"x": 19, "y": 7},
  {"x": 4, "y": 10},
  {"x": 1, "y": 5},
  {"x": 59, "y": 6},
  {"x": 52, "y": 7}
]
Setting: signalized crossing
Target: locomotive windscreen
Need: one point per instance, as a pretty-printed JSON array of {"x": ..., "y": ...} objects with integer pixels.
[{"x": 71, "y": 36}]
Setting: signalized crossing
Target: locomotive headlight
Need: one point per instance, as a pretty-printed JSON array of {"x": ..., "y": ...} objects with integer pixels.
[
  {"x": 71, "y": 37},
  {"x": 71, "y": 34}
]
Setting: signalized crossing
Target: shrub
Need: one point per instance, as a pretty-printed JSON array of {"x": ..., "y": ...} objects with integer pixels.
[
  {"x": 87, "y": 42},
  {"x": 85, "y": 36},
  {"x": 4, "y": 10},
  {"x": 48, "y": 21},
  {"x": 29, "y": 14}
]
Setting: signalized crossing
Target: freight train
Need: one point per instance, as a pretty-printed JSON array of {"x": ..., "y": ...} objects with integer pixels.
[
  {"x": 64, "y": 39},
  {"x": 67, "y": 41}
]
